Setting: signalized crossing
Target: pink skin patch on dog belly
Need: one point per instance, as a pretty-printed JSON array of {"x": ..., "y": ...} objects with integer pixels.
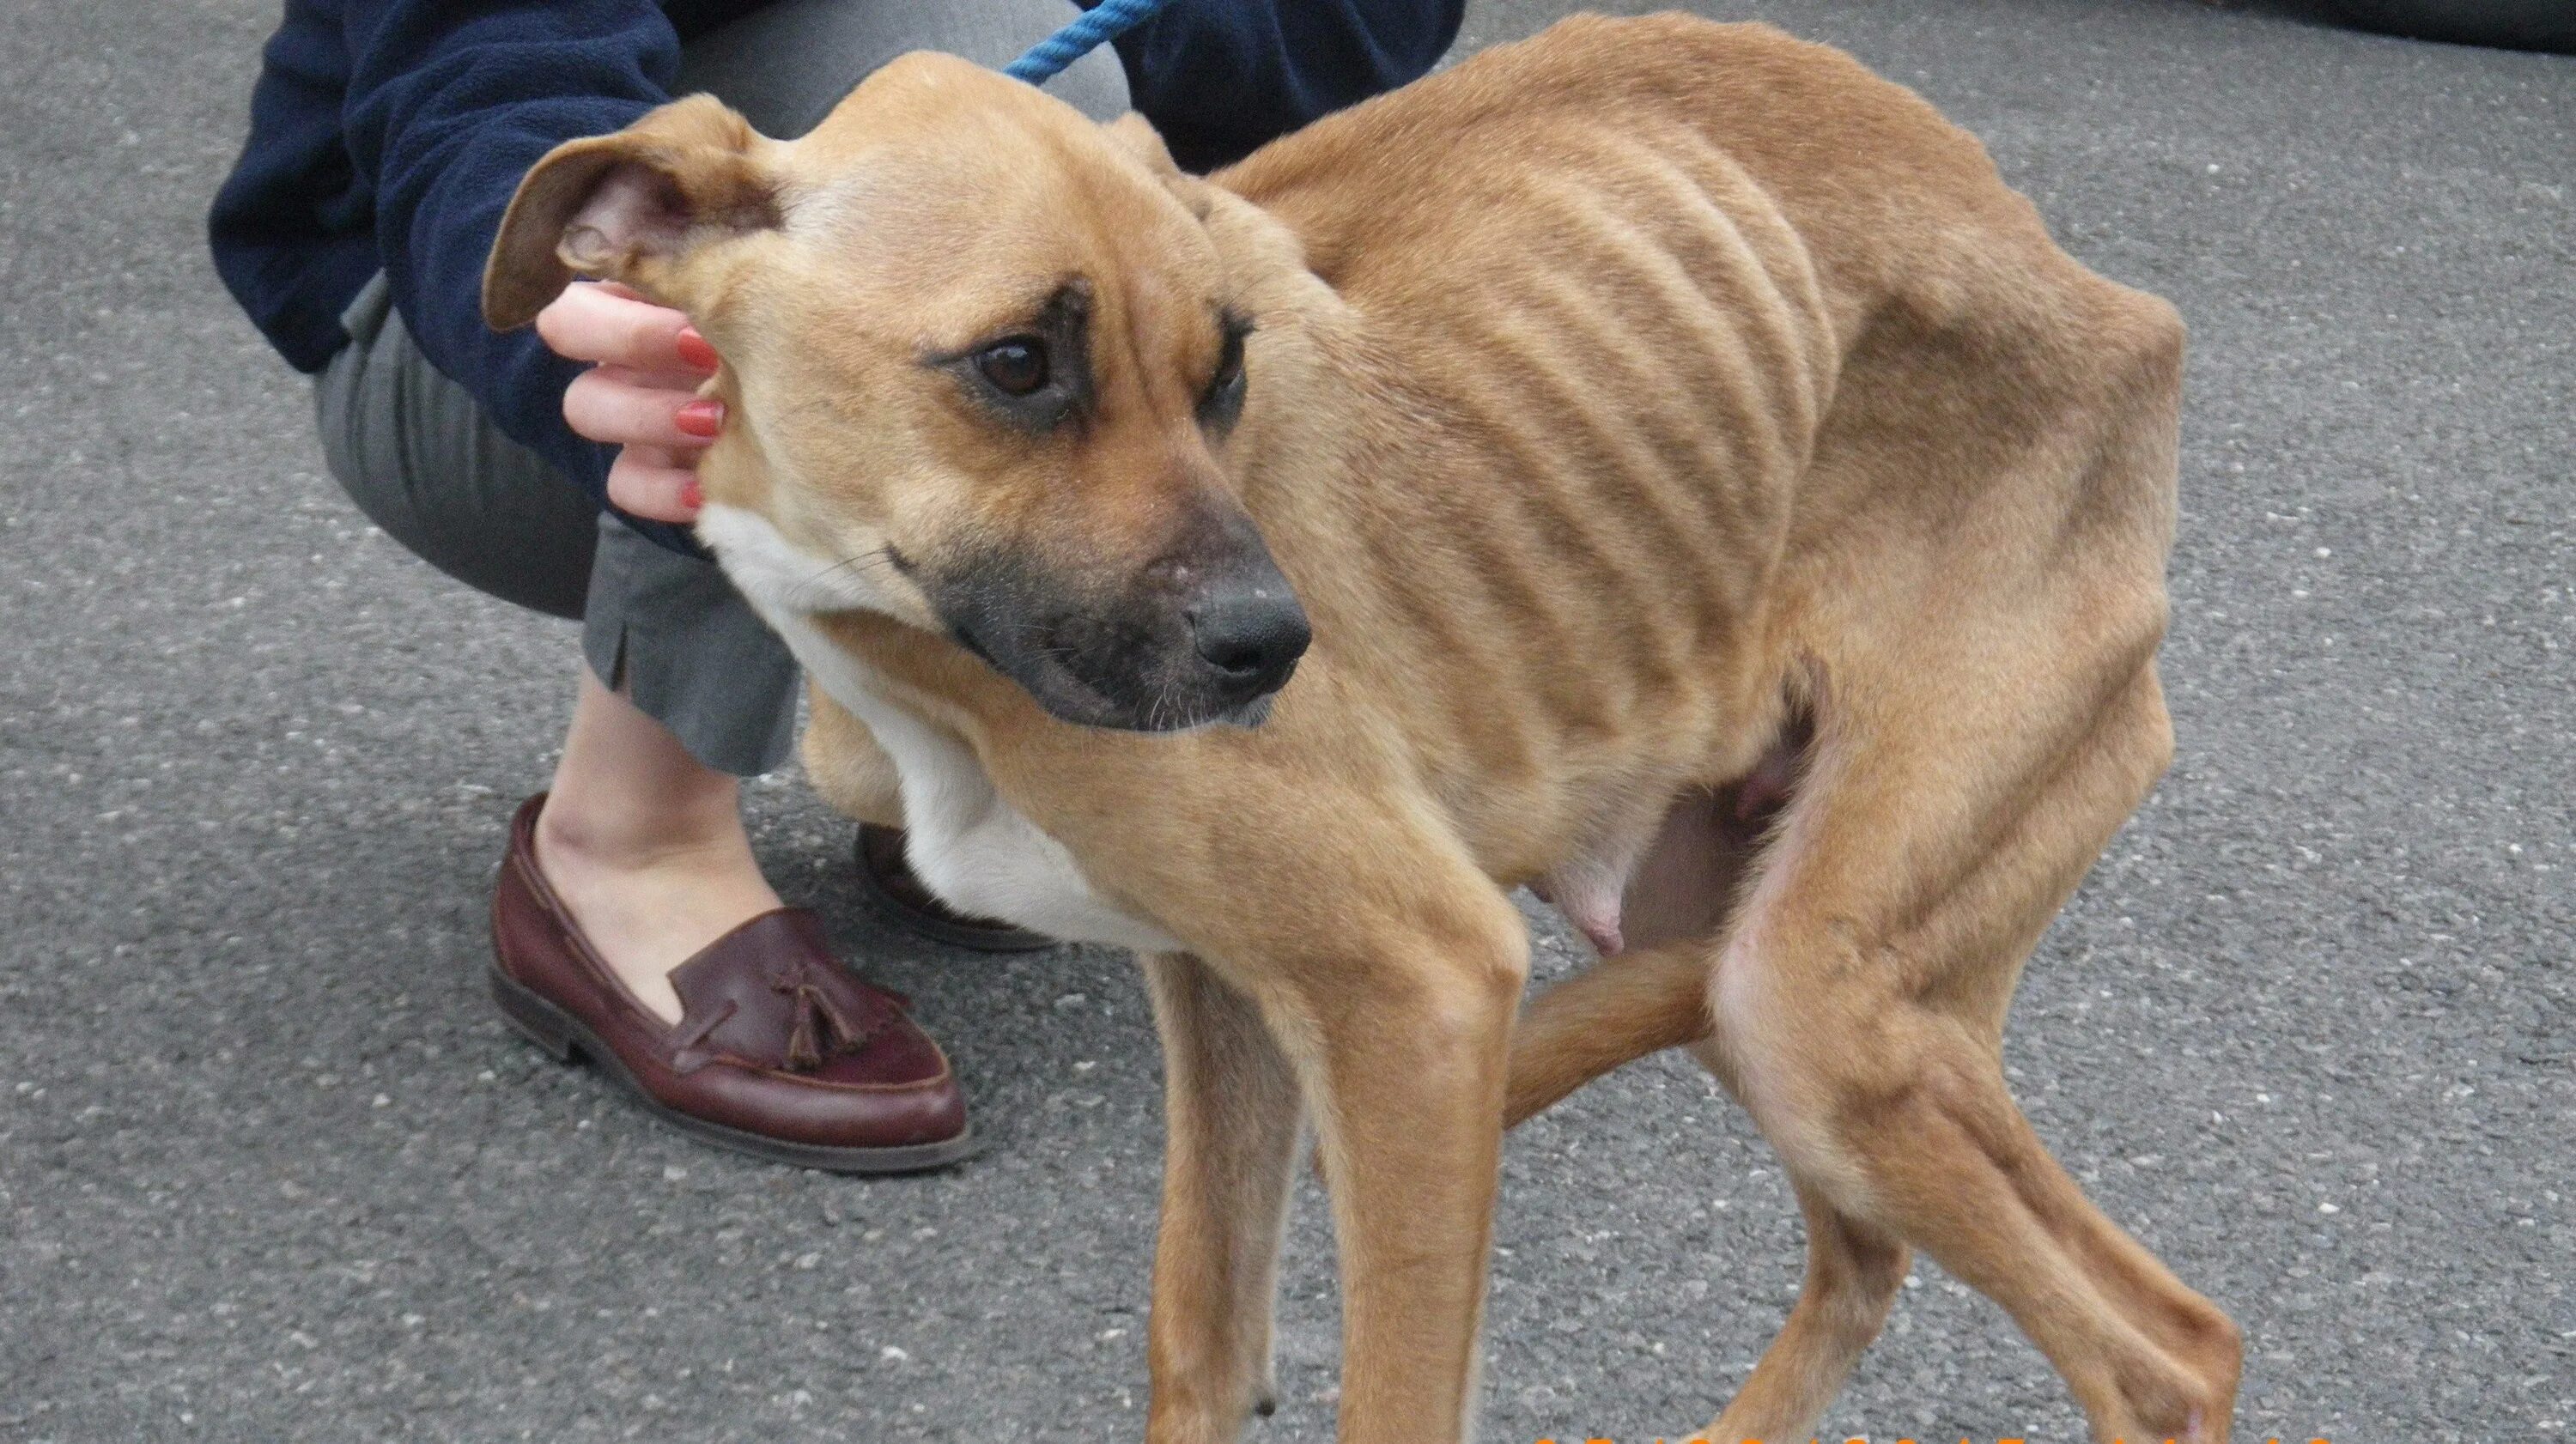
[
  {"x": 1682, "y": 848},
  {"x": 1590, "y": 902}
]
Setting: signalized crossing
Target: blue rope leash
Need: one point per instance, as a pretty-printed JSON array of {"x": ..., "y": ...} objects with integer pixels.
[{"x": 1096, "y": 27}]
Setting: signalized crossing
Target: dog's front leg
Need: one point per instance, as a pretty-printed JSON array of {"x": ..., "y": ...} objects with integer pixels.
[
  {"x": 1401, "y": 1041},
  {"x": 1232, "y": 1118},
  {"x": 847, "y": 766}
]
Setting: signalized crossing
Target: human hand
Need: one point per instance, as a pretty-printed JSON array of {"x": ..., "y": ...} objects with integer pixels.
[{"x": 640, "y": 394}]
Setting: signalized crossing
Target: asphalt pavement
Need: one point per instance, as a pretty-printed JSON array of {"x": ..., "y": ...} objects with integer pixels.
[{"x": 271, "y": 1169}]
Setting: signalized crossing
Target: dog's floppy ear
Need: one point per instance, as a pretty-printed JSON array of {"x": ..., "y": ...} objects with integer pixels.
[{"x": 629, "y": 207}]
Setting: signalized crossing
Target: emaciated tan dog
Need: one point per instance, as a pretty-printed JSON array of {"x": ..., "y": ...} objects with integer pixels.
[{"x": 1710, "y": 496}]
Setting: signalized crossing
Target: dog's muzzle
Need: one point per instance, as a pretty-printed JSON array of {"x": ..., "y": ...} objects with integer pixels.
[{"x": 1187, "y": 643}]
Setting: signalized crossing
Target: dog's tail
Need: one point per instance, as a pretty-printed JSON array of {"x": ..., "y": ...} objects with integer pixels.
[{"x": 1624, "y": 1009}]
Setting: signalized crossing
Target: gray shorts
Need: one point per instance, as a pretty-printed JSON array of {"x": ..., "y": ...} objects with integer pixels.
[{"x": 422, "y": 461}]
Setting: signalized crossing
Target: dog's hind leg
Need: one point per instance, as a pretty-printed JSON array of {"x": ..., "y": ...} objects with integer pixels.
[
  {"x": 1859, "y": 1012},
  {"x": 1853, "y": 1273},
  {"x": 1642, "y": 1003},
  {"x": 1645, "y": 1001},
  {"x": 1232, "y": 1123}
]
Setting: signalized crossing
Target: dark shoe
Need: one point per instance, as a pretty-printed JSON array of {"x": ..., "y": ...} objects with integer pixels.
[
  {"x": 780, "y": 1052},
  {"x": 2512, "y": 24},
  {"x": 890, "y": 886}
]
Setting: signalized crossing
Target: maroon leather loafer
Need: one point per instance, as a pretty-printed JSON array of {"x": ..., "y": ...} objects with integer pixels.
[{"x": 780, "y": 1053}]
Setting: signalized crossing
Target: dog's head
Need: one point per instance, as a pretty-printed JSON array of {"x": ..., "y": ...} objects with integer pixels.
[{"x": 982, "y": 363}]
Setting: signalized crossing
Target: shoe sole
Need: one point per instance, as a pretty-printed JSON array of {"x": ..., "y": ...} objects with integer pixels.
[{"x": 567, "y": 1039}]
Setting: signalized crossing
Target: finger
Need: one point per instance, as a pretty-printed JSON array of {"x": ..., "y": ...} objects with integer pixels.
[
  {"x": 685, "y": 460},
  {"x": 694, "y": 348},
  {"x": 684, "y": 383},
  {"x": 602, "y": 408},
  {"x": 594, "y": 322},
  {"x": 643, "y": 482}
]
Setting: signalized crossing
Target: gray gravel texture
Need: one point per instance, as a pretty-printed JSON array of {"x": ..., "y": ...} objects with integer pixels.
[{"x": 270, "y": 1169}]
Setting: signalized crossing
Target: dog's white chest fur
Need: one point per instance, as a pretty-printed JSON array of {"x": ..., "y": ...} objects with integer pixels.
[{"x": 969, "y": 846}]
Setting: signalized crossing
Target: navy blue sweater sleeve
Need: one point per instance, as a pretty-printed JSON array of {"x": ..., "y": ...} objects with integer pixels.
[
  {"x": 1220, "y": 78},
  {"x": 449, "y": 103},
  {"x": 289, "y": 229}
]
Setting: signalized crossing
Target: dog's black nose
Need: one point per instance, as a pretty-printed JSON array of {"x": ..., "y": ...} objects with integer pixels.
[{"x": 1251, "y": 638}]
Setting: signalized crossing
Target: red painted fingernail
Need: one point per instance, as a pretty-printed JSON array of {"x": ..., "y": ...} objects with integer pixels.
[
  {"x": 702, "y": 417},
  {"x": 692, "y": 495},
  {"x": 693, "y": 348}
]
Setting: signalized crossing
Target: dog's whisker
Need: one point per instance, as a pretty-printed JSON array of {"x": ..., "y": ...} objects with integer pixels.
[{"x": 859, "y": 563}]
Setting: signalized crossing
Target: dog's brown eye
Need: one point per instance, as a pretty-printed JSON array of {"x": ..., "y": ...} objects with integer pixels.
[{"x": 1016, "y": 367}]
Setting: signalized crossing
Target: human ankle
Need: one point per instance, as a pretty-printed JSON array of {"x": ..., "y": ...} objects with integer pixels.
[
  {"x": 629, "y": 835},
  {"x": 628, "y": 793}
]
